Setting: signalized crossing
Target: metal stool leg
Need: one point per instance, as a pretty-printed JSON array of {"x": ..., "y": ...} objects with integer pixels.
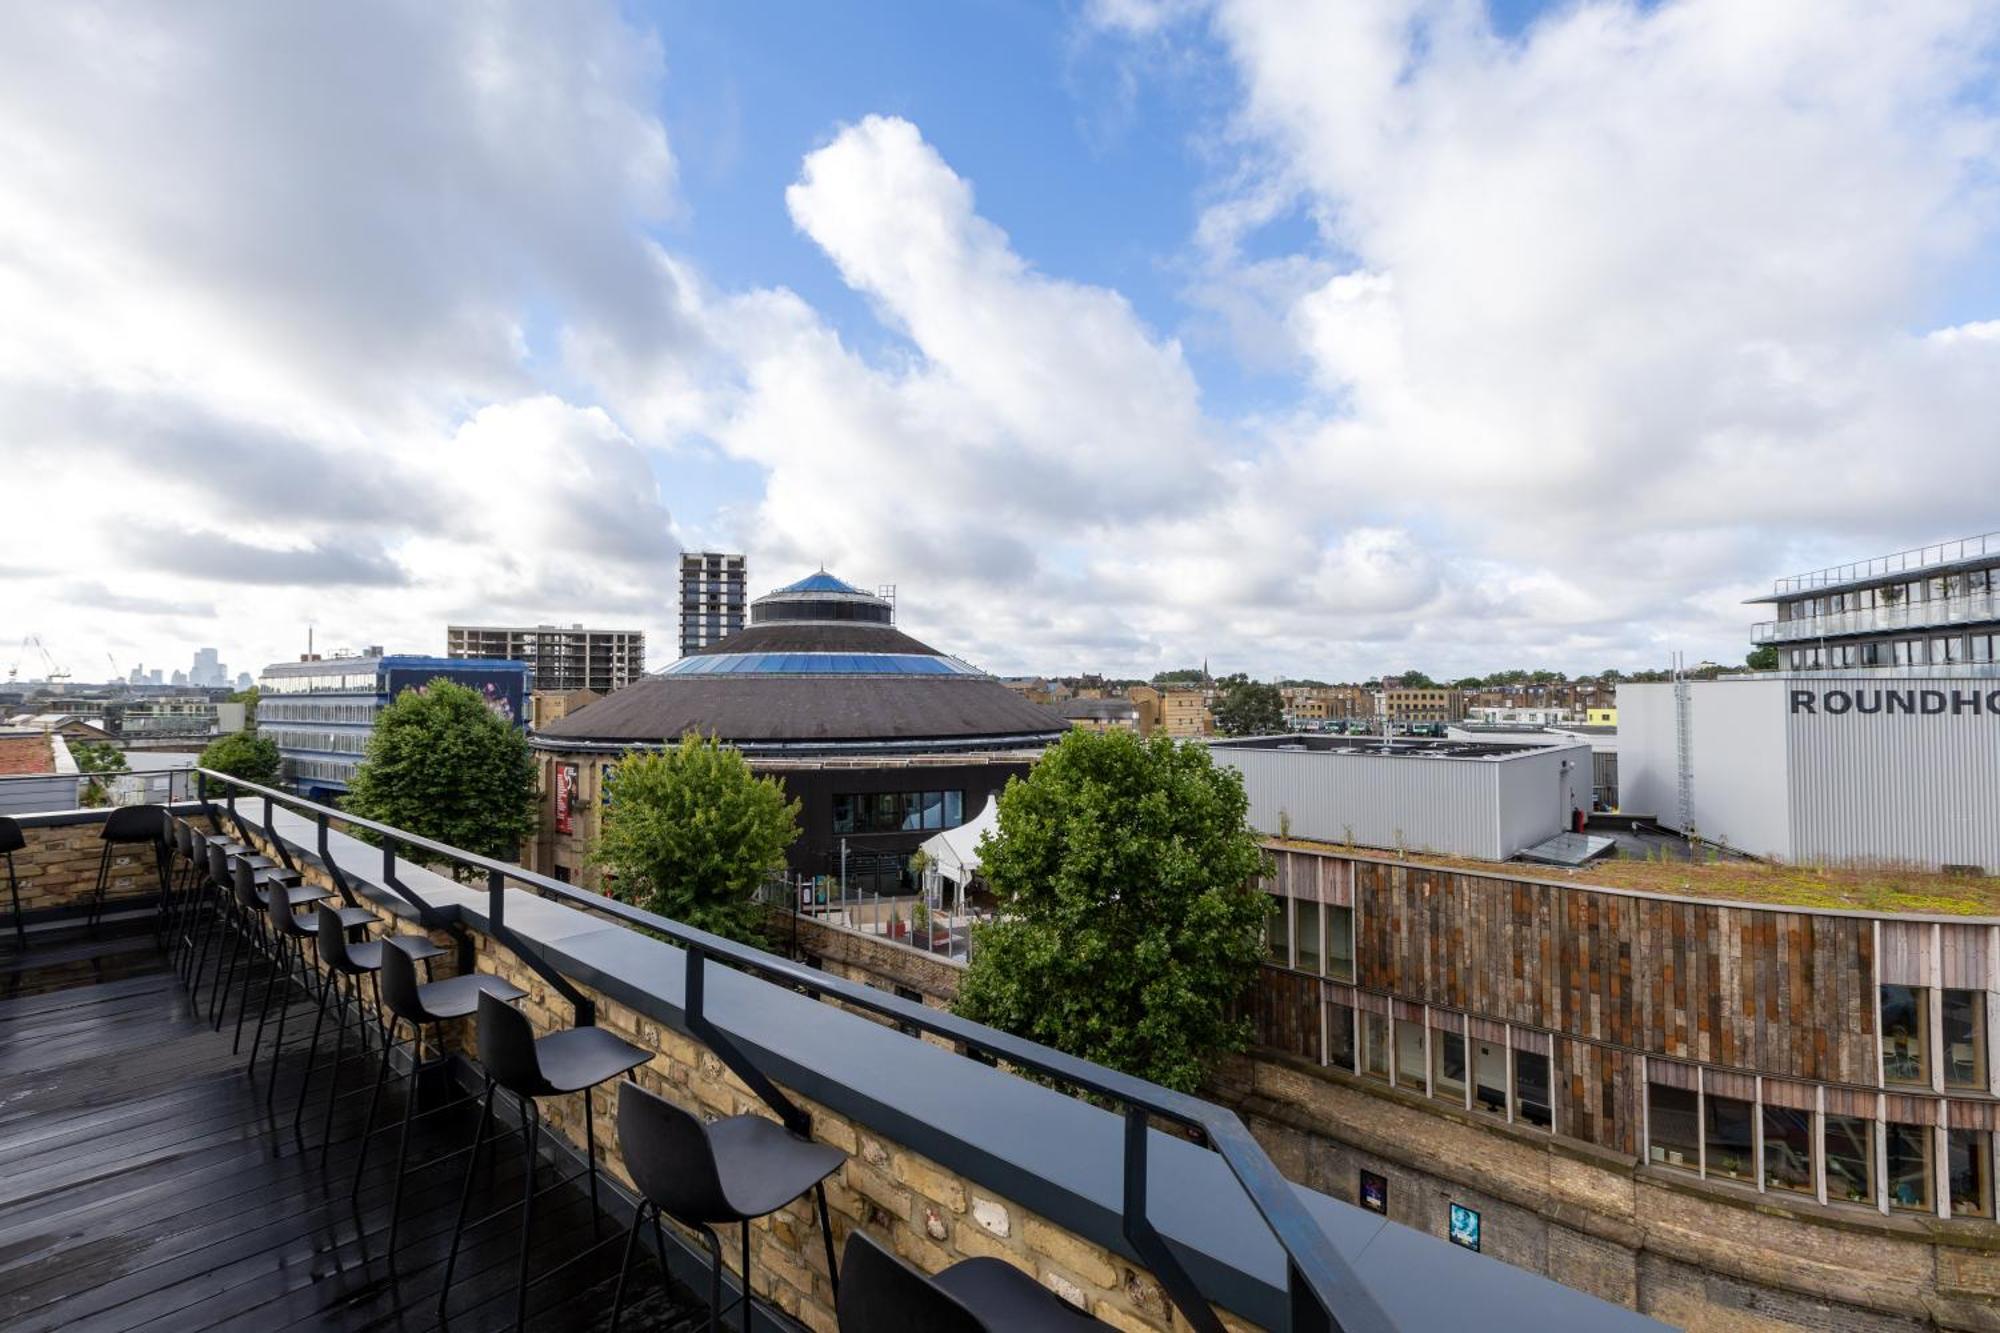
[
  {"x": 531, "y": 1125},
  {"x": 97, "y": 892},
  {"x": 312, "y": 1058},
  {"x": 374, "y": 1102},
  {"x": 826, "y": 1234},
  {"x": 625, "y": 1268},
  {"x": 403, "y": 1140},
  {"x": 284, "y": 977},
  {"x": 14, "y": 889},
  {"x": 714, "y": 1279},
  {"x": 333, "y": 1090},
  {"x": 465, "y": 1197},
  {"x": 219, "y": 997},
  {"x": 590, "y": 1159}
]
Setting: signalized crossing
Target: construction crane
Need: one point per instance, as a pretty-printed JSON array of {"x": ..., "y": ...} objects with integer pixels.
[{"x": 56, "y": 675}]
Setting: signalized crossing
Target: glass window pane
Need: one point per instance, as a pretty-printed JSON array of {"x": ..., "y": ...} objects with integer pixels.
[
  {"x": 1673, "y": 1124},
  {"x": 1788, "y": 1149},
  {"x": 1340, "y": 1037},
  {"x": 1531, "y": 1089},
  {"x": 1448, "y": 1073},
  {"x": 1305, "y": 935},
  {"x": 1340, "y": 943},
  {"x": 1969, "y": 1168},
  {"x": 1850, "y": 1159},
  {"x": 843, "y": 814},
  {"x": 933, "y": 809},
  {"x": 1489, "y": 1077},
  {"x": 1906, "y": 1035},
  {"x": 1908, "y": 1149},
  {"x": 954, "y": 809},
  {"x": 1726, "y": 1124},
  {"x": 913, "y": 811},
  {"x": 1964, "y": 1038},
  {"x": 1375, "y": 1045},
  {"x": 1278, "y": 931},
  {"x": 1409, "y": 1055}
]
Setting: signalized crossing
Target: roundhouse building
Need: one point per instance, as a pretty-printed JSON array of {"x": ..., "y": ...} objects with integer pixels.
[{"x": 883, "y": 739}]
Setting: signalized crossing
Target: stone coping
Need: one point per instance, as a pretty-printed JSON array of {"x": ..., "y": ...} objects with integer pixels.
[{"x": 1057, "y": 1155}]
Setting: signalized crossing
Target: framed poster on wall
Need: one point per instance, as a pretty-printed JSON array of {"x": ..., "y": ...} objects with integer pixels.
[
  {"x": 1374, "y": 1192},
  {"x": 1464, "y": 1226}
]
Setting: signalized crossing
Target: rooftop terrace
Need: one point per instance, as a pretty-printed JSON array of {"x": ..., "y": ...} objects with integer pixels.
[{"x": 161, "y": 1193}]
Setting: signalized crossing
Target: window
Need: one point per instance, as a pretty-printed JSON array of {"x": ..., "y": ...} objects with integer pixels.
[
  {"x": 1375, "y": 1046},
  {"x": 1969, "y": 1171},
  {"x": 1489, "y": 1077},
  {"x": 1305, "y": 933},
  {"x": 1278, "y": 931},
  {"x": 1340, "y": 943},
  {"x": 1906, "y": 1035},
  {"x": 1788, "y": 1149},
  {"x": 1964, "y": 1024},
  {"x": 1673, "y": 1126},
  {"x": 1850, "y": 1159},
  {"x": 1448, "y": 1066},
  {"x": 1726, "y": 1126},
  {"x": 1909, "y": 1152},
  {"x": 1531, "y": 1089},
  {"x": 1410, "y": 1060},
  {"x": 1340, "y": 1036},
  {"x": 897, "y": 812}
]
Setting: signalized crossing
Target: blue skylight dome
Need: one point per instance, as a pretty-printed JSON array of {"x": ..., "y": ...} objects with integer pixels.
[{"x": 822, "y": 582}]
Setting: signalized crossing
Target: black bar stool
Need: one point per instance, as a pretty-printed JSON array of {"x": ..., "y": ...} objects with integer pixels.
[
  {"x": 879, "y": 1293},
  {"x": 737, "y": 1169},
  {"x": 292, "y": 930},
  {"x": 252, "y": 887},
  {"x": 129, "y": 826},
  {"x": 421, "y": 1005},
  {"x": 349, "y": 961},
  {"x": 571, "y": 1060},
  {"x": 11, "y": 841}
]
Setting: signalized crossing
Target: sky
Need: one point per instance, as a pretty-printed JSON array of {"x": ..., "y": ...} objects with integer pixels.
[{"x": 1315, "y": 339}]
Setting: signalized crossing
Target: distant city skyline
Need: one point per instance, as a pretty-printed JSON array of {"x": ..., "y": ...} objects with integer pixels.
[{"x": 1324, "y": 337}]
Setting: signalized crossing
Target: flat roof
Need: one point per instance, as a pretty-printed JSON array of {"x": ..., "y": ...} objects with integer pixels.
[
  {"x": 26, "y": 754},
  {"x": 1392, "y": 747}
]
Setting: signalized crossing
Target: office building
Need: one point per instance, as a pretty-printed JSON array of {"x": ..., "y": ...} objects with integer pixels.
[
  {"x": 1101, "y": 714},
  {"x": 1402, "y": 704},
  {"x": 559, "y": 658},
  {"x": 320, "y": 712},
  {"x": 882, "y": 738},
  {"x": 208, "y": 672},
  {"x": 713, "y": 596},
  {"x": 1930, "y": 606}
]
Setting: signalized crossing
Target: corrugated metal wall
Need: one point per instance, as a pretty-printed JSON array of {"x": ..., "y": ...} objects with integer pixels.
[
  {"x": 1922, "y": 787},
  {"x": 1488, "y": 808}
]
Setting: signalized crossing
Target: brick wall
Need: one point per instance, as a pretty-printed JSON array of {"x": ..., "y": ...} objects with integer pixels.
[
  {"x": 929, "y": 1214},
  {"x": 58, "y": 867}
]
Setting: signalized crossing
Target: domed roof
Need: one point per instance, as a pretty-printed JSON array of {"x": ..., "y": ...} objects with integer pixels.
[{"x": 822, "y": 667}]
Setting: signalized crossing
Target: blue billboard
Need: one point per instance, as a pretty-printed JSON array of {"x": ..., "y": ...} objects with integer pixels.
[{"x": 503, "y": 685}]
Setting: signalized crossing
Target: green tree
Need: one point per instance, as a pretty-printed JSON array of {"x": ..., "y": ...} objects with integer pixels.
[
  {"x": 693, "y": 834},
  {"x": 443, "y": 765},
  {"x": 1417, "y": 680},
  {"x": 97, "y": 757},
  {"x": 1130, "y": 923},
  {"x": 249, "y": 699},
  {"x": 243, "y": 754},
  {"x": 1244, "y": 707},
  {"x": 1762, "y": 658}
]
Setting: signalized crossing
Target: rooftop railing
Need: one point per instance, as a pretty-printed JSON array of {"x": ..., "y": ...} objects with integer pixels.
[
  {"x": 1323, "y": 1291},
  {"x": 1910, "y": 561},
  {"x": 1929, "y": 614}
]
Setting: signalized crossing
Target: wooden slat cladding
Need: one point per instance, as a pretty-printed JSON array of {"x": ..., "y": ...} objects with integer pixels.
[
  {"x": 1284, "y": 1011},
  {"x": 1782, "y": 992},
  {"x": 1597, "y": 1095}
]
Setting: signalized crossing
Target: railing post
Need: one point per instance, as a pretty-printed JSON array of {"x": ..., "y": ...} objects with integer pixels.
[
  {"x": 1307, "y": 1314},
  {"x": 496, "y": 900},
  {"x": 1148, "y": 1243}
]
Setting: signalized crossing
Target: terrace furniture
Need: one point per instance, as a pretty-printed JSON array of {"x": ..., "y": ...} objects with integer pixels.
[
  {"x": 292, "y": 930},
  {"x": 736, "y": 1169},
  {"x": 11, "y": 841},
  {"x": 880, "y": 1293},
  {"x": 421, "y": 1005},
  {"x": 129, "y": 826},
  {"x": 571, "y": 1060},
  {"x": 350, "y": 961}
]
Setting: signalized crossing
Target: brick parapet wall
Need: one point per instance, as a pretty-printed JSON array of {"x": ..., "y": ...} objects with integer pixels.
[
  {"x": 870, "y": 959},
  {"x": 929, "y": 1214},
  {"x": 57, "y": 870}
]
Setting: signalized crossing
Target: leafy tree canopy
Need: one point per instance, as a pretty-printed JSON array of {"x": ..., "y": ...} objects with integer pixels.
[
  {"x": 1130, "y": 921},
  {"x": 249, "y": 699},
  {"x": 443, "y": 765},
  {"x": 1182, "y": 676},
  {"x": 693, "y": 832},
  {"x": 1764, "y": 657},
  {"x": 1244, "y": 707},
  {"x": 245, "y": 755},
  {"x": 97, "y": 757}
]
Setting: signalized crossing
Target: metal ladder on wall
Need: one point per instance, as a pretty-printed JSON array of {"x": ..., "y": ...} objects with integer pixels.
[{"x": 1683, "y": 747}]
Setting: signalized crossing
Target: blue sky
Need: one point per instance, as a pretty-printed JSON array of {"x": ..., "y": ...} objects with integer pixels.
[{"x": 1305, "y": 336}]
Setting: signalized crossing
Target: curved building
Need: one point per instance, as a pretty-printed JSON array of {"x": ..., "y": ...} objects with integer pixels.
[{"x": 883, "y": 738}]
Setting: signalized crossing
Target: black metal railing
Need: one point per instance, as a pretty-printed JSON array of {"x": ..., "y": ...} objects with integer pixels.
[{"x": 1323, "y": 1291}]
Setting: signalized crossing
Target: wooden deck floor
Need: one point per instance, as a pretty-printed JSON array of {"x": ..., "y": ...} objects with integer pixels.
[{"x": 144, "y": 1186}]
